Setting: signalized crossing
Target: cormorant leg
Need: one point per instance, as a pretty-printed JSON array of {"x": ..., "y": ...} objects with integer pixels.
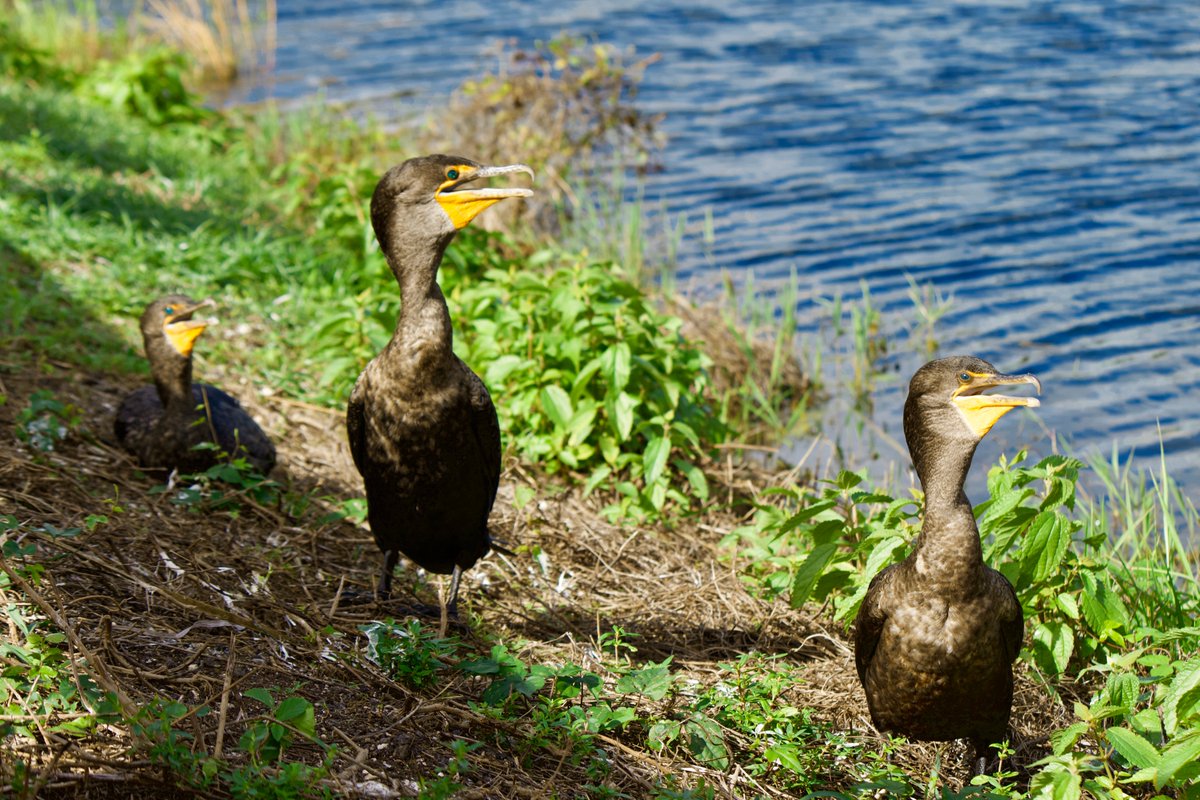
[
  {"x": 384, "y": 591},
  {"x": 454, "y": 579},
  {"x": 444, "y": 623},
  {"x": 983, "y": 755},
  {"x": 452, "y": 605}
]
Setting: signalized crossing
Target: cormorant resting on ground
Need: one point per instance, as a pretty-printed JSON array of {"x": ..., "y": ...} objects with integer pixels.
[
  {"x": 161, "y": 424},
  {"x": 937, "y": 633},
  {"x": 422, "y": 427}
]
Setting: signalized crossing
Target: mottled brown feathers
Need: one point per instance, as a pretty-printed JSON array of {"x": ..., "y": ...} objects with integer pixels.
[{"x": 937, "y": 634}]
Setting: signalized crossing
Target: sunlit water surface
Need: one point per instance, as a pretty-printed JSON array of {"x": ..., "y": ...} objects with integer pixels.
[{"x": 1039, "y": 163}]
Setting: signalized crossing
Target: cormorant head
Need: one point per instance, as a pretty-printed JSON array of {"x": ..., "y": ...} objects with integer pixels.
[
  {"x": 427, "y": 197},
  {"x": 168, "y": 321},
  {"x": 947, "y": 407}
]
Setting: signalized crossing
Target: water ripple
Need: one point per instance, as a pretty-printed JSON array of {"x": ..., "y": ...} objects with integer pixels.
[{"x": 1036, "y": 161}]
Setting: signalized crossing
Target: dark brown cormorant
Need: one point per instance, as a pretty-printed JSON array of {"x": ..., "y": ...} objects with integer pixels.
[
  {"x": 422, "y": 427},
  {"x": 162, "y": 424},
  {"x": 937, "y": 633}
]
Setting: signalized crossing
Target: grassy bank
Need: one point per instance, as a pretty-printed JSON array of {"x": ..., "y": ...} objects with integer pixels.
[{"x": 674, "y": 625}]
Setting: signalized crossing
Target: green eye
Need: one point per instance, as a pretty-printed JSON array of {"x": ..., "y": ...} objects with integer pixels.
[
  {"x": 964, "y": 377},
  {"x": 452, "y": 174},
  {"x": 169, "y": 310}
]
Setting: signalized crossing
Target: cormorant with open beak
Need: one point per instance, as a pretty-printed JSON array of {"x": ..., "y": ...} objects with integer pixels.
[
  {"x": 937, "y": 634},
  {"x": 161, "y": 425},
  {"x": 422, "y": 427}
]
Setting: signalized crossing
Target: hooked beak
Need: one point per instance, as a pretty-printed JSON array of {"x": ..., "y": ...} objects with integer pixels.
[
  {"x": 182, "y": 331},
  {"x": 463, "y": 205},
  {"x": 982, "y": 411}
]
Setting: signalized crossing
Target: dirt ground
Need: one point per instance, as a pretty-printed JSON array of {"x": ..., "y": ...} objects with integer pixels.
[{"x": 161, "y": 601}]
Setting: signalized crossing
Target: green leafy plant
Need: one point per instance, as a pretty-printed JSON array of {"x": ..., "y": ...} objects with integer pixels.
[
  {"x": 46, "y": 421},
  {"x": 222, "y": 487},
  {"x": 268, "y": 738},
  {"x": 41, "y": 689},
  {"x": 824, "y": 544},
  {"x": 595, "y": 379},
  {"x": 408, "y": 652}
]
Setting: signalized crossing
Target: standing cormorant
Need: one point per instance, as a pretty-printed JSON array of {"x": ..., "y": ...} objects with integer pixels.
[
  {"x": 937, "y": 633},
  {"x": 162, "y": 424},
  {"x": 422, "y": 427}
]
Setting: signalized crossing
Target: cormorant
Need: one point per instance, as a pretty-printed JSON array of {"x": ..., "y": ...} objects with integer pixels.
[
  {"x": 937, "y": 634},
  {"x": 161, "y": 424},
  {"x": 422, "y": 427}
]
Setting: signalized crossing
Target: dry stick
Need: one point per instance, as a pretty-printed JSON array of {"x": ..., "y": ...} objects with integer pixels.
[
  {"x": 225, "y": 694},
  {"x": 127, "y": 706}
]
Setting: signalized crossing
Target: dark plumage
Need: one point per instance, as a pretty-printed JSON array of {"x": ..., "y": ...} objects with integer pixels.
[
  {"x": 937, "y": 633},
  {"x": 161, "y": 424},
  {"x": 422, "y": 427}
]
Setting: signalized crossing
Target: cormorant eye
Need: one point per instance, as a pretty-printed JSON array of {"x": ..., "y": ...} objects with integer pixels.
[
  {"x": 169, "y": 310},
  {"x": 964, "y": 377},
  {"x": 452, "y": 174}
]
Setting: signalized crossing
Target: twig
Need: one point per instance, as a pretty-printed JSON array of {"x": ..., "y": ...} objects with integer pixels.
[{"x": 229, "y": 662}]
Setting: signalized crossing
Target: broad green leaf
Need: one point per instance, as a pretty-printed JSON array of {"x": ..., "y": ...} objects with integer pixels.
[
  {"x": 654, "y": 460},
  {"x": 622, "y": 360},
  {"x": 621, "y": 413},
  {"x": 1133, "y": 748},
  {"x": 695, "y": 477},
  {"x": 598, "y": 476},
  {"x": 581, "y": 425},
  {"x": 1055, "y": 784},
  {"x": 1183, "y": 685},
  {"x": 1123, "y": 689},
  {"x": 291, "y": 707},
  {"x": 1178, "y": 759},
  {"x": 1045, "y": 545},
  {"x": 805, "y": 514},
  {"x": 786, "y": 756},
  {"x": 1064, "y": 740},
  {"x": 1068, "y": 604},
  {"x": 810, "y": 571},
  {"x": 1101, "y": 607},
  {"x": 706, "y": 741},
  {"x": 881, "y": 555},
  {"x": 663, "y": 733},
  {"x": 1053, "y": 644},
  {"x": 557, "y": 405},
  {"x": 499, "y": 369},
  {"x": 653, "y": 681},
  {"x": 261, "y": 695}
]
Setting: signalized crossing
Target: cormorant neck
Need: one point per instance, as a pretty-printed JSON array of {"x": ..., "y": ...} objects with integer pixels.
[
  {"x": 948, "y": 546},
  {"x": 942, "y": 472},
  {"x": 173, "y": 379},
  {"x": 424, "y": 316}
]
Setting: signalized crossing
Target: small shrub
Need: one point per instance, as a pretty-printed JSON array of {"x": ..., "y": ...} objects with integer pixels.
[
  {"x": 46, "y": 421},
  {"x": 408, "y": 652}
]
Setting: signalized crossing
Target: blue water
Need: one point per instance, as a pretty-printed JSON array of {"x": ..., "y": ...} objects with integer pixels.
[{"x": 1037, "y": 162}]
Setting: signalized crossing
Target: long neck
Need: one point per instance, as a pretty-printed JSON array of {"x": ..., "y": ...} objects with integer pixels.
[
  {"x": 948, "y": 548},
  {"x": 423, "y": 328},
  {"x": 172, "y": 375}
]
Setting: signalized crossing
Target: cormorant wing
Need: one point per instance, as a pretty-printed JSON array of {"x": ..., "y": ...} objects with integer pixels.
[
  {"x": 356, "y": 424},
  {"x": 487, "y": 432},
  {"x": 869, "y": 624},
  {"x": 1012, "y": 620}
]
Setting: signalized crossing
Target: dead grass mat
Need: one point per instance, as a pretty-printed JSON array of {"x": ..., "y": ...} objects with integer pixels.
[{"x": 164, "y": 602}]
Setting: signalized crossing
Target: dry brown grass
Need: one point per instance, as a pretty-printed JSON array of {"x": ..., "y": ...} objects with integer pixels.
[
  {"x": 224, "y": 38},
  {"x": 162, "y": 602}
]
